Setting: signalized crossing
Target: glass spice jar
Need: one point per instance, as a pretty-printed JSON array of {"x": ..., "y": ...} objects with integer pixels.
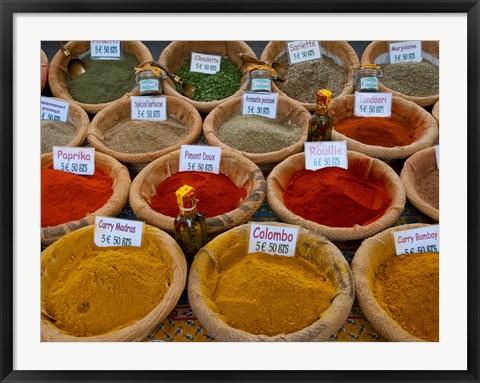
[
  {"x": 260, "y": 78},
  {"x": 366, "y": 78},
  {"x": 321, "y": 123},
  {"x": 149, "y": 80}
]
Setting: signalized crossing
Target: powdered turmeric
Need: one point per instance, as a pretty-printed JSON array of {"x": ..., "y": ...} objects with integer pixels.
[{"x": 406, "y": 287}]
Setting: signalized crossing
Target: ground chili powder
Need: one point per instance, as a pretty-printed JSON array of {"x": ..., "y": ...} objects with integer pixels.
[
  {"x": 216, "y": 193},
  {"x": 335, "y": 197}
]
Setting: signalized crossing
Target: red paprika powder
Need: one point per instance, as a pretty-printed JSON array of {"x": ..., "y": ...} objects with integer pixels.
[
  {"x": 69, "y": 197},
  {"x": 216, "y": 193},
  {"x": 378, "y": 131},
  {"x": 335, "y": 197}
]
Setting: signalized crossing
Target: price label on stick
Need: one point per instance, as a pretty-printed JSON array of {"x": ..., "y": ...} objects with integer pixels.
[
  {"x": 202, "y": 63},
  {"x": 273, "y": 239},
  {"x": 148, "y": 108},
  {"x": 324, "y": 154},
  {"x": 420, "y": 240},
  {"x": 200, "y": 158},
  {"x": 405, "y": 51},
  {"x": 373, "y": 104},
  {"x": 51, "y": 109},
  {"x": 105, "y": 50},
  {"x": 264, "y": 104},
  {"x": 299, "y": 51},
  {"x": 117, "y": 232},
  {"x": 74, "y": 160}
]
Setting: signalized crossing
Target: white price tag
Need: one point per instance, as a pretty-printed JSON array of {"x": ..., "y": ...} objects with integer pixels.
[
  {"x": 421, "y": 240},
  {"x": 201, "y": 63},
  {"x": 117, "y": 232},
  {"x": 150, "y": 108},
  {"x": 299, "y": 51},
  {"x": 74, "y": 160},
  {"x": 200, "y": 158},
  {"x": 273, "y": 239},
  {"x": 324, "y": 154},
  {"x": 437, "y": 155},
  {"x": 405, "y": 51},
  {"x": 373, "y": 104},
  {"x": 55, "y": 110},
  {"x": 105, "y": 49},
  {"x": 264, "y": 104}
]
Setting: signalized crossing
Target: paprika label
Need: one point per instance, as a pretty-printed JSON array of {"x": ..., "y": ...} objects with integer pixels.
[
  {"x": 405, "y": 51},
  {"x": 117, "y": 232},
  {"x": 324, "y": 154},
  {"x": 264, "y": 104},
  {"x": 373, "y": 104},
  {"x": 279, "y": 239},
  {"x": 420, "y": 240},
  {"x": 202, "y": 63},
  {"x": 74, "y": 160},
  {"x": 200, "y": 158},
  {"x": 299, "y": 51},
  {"x": 150, "y": 108},
  {"x": 105, "y": 50},
  {"x": 51, "y": 109}
]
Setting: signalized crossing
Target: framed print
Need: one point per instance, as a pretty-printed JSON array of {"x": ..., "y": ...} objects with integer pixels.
[{"x": 171, "y": 350}]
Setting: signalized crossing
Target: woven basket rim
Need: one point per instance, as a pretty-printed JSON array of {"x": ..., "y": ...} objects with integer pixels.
[{"x": 436, "y": 111}]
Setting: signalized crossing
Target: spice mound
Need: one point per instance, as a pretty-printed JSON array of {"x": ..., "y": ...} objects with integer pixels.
[
  {"x": 335, "y": 197},
  {"x": 406, "y": 287},
  {"x": 56, "y": 133},
  {"x": 104, "y": 80},
  {"x": 376, "y": 131},
  {"x": 134, "y": 136},
  {"x": 258, "y": 134},
  {"x": 69, "y": 197},
  {"x": 216, "y": 193},
  {"x": 271, "y": 295},
  {"x": 419, "y": 79},
  {"x": 211, "y": 87},
  {"x": 428, "y": 188},
  {"x": 105, "y": 289},
  {"x": 304, "y": 79}
]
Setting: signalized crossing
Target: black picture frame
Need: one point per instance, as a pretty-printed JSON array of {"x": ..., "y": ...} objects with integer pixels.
[{"x": 10, "y": 7}]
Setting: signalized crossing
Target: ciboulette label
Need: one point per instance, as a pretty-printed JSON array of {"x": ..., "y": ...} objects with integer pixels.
[
  {"x": 200, "y": 158},
  {"x": 74, "y": 160},
  {"x": 273, "y": 239},
  {"x": 405, "y": 51},
  {"x": 150, "y": 108},
  {"x": 324, "y": 154},
  {"x": 202, "y": 63},
  {"x": 373, "y": 104},
  {"x": 117, "y": 232},
  {"x": 105, "y": 49},
  {"x": 420, "y": 240},
  {"x": 264, "y": 104},
  {"x": 51, "y": 109},
  {"x": 299, "y": 51}
]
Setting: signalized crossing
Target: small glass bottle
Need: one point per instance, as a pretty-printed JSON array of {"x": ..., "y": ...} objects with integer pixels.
[
  {"x": 366, "y": 78},
  {"x": 260, "y": 78},
  {"x": 321, "y": 122},
  {"x": 149, "y": 80},
  {"x": 190, "y": 226}
]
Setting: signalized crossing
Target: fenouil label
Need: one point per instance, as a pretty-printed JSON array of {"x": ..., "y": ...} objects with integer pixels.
[
  {"x": 118, "y": 232},
  {"x": 200, "y": 158},
  {"x": 278, "y": 239},
  {"x": 420, "y": 240}
]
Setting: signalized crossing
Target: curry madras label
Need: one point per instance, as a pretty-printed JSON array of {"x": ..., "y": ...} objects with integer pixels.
[
  {"x": 420, "y": 240},
  {"x": 202, "y": 63},
  {"x": 51, "y": 109},
  {"x": 375, "y": 104},
  {"x": 275, "y": 239},
  {"x": 74, "y": 160},
  {"x": 324, "y": 154},
  {"x": 149, "y": 108},
  {"x": 117, "y": 232},
  {"x": 264, "y": 104},
  {"x": 105, "y": 50},
  {"x": 405, "y": 51},
  {"x": 200, "y": 158},
  {"x": 299, "y": 51}
]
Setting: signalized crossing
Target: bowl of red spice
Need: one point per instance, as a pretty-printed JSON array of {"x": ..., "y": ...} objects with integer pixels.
[
  {"x": 341, "y": 204},
  {"x": 70, "y": 201},
  {"x": 399, "y": 295},
  {"x": 409, "y": 130},
  {"x": 226, "y": 199}
]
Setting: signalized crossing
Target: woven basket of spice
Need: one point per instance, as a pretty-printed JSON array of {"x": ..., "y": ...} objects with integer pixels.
[
  {"x": 103, "y": 82},
  {"x": 436, "y": 111},
  {"x": 138, "y": 142},
  {"x": 399, "y": 295},
  {"x": 410, "y": 129},
  {"x": 109, "y": 294},
  {"x": 70, "y": 133},
  {"x": 333, "y": 71},
  {"x": 420, "y": 176},
  {"x": 226, "y": 199},
  {"x": 44, "y": 69},
  {"x": 258, "y": 297},
  {"x": 211, "y": 89},
  {"x": 340, "y": 204},
  {"x": 413, "y": 81},
  {"x": 71, "y": 201},
  {"x": 262, "y": 140}
]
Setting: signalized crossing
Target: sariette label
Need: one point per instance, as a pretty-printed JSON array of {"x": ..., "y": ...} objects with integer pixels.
[
  {"x": 51, "y": 109},
  {"x": 150, "y": 108},
  {"x": 405, "y": 51},
  {"x": 373, "y": 104},
  {"x": 105, "y": 49},
  {"x": 299, "y": 51},
  {"x": 74, "y": 160},
  {"x": 260, "y": 104},
  {"x": 324, "y": 154},
  {"x": 202, "y": 63},
  {"x": 200, "y": 158},
  {"x": 421, "y": 240},
  {"x": 117, "y": 232},
  {"x": 273, "y": 239}
]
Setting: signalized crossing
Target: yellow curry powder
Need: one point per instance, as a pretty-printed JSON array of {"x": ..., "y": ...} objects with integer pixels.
[
  {"x": 265, "y": 294},
  {"x": 406, "y": 287},
  {"x": 106, "y": 289}
]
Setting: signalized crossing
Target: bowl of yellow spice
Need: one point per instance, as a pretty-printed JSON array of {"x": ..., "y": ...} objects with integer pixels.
[
  {"x": 259, "y": 297},
  {"x": 109, "y": 294}
]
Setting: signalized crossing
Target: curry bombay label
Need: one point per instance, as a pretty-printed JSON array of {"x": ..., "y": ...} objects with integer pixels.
[
  {"x": 264, "y": 104},
  {"x": 373, "y": 104},
  {"x": 117, "y": 232},
  {"x": 273, "y": 239},
  {"x": 405, "y": 51},
  {"x": 420, "y": 240},
  {"x": 299, "y": 51},
  {"x": 324, "y": 154},
  {"x": 202, "y": 63},
  {"x": 51, "y": 109},
  {"x": 200, "y": 158},
  {"x": 105, "y": 50},
  {"x": 149, "y": 108},
  {"x": 74, "y": 160}
]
